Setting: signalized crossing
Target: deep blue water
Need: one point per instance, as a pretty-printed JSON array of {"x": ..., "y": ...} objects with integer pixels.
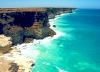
[{"x": 75, "y": 48}]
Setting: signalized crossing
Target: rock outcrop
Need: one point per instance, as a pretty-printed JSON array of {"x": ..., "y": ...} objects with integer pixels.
[
  {"x": 5, "y": 44},
  {"x": 11, "y": 59},
  {"x": 15, "y": 62}
]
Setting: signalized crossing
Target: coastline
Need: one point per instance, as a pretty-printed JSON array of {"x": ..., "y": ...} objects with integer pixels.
[
  {"x": 27, "y": 47},
  {"x": 27, "y": 63},
  {"x": 47, "y": 40},
  {"x": 58, "y": 66}
]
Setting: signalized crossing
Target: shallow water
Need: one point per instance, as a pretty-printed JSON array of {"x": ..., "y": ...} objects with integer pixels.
[{"x": 75, "y": 48}]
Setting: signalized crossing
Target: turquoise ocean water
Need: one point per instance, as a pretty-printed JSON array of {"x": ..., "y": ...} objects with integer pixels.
[{"x": 75, "y": 48}]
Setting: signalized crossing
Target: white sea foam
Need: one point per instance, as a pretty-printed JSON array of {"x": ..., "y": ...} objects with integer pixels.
[
  {"x": 48, "y": 39},
  {"x": 63, "y": 14},
  {"x": 58, "y": 34},
  {"x": 27, "y": 50},
  {"x": 60, "y": 70},
  {"x": 46, "y": 63},
  {"x": 50, "y": 20},
  {"x": 57, "y": 16}
]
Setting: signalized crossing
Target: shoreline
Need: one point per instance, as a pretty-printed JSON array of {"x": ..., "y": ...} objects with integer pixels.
[
  {"x": 24, "y": 46},
  {"x": 21, "y": 60}
]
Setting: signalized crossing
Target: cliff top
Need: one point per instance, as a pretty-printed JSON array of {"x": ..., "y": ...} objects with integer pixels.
[{"x": 9, "y": 10}]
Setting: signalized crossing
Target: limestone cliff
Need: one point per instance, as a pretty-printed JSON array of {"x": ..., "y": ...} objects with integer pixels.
[
  {"x": 57, "y": 11},
  {"x": 22, "y": 24}
]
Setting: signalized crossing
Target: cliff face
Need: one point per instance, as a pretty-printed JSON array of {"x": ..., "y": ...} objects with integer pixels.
[
  {"x": 57, "y": 11},
  {"x": 22, "y": 24}
]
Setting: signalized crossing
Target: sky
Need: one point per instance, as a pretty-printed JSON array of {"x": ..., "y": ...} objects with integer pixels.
[{"x": 50, "y": 3}]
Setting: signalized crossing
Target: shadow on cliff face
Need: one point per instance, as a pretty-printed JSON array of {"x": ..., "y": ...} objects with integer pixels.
[
  {"x": 24, "y": 19},
  {"x": 15, "y": 32},
  {"x": 1, "y": 30},
  {"x": 12, "y": 24}
]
